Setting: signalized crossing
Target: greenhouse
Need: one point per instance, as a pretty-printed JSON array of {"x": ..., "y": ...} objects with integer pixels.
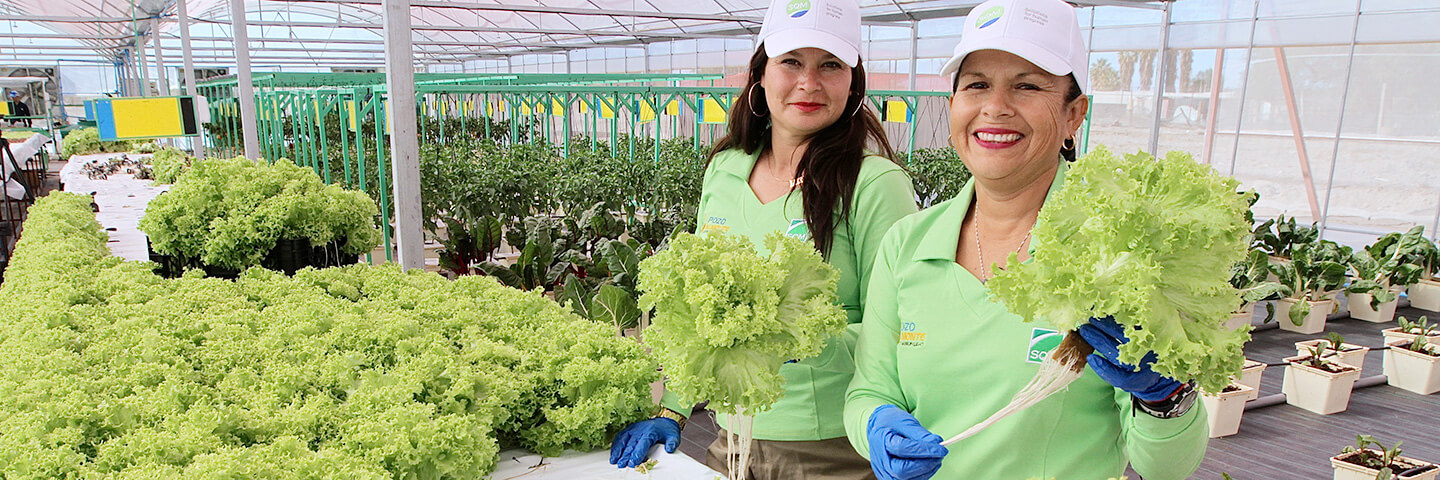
[{"x": 698, "y": 239}]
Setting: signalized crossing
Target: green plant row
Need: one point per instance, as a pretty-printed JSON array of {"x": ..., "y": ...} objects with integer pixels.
[{"x": 357, "y": 372}]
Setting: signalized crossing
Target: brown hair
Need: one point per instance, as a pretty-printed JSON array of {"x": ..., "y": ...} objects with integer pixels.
[{"x": 841, "y": 146}]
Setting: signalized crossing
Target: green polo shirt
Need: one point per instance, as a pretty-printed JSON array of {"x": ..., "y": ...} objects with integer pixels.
[
  {"x": 935, "y": 344},
  {"x": 815, "y": 387}
]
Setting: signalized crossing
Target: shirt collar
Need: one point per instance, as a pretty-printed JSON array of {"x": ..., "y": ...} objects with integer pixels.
[
  {"x": 944, "y": 235},
  {"x": 742, "y": 164}
]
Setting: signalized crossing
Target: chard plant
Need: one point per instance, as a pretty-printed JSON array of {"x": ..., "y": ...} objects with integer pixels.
[
  {"x": 1249, "y": 277},
  {"x": 1422, "y": 344},
  {"x": 1312, "y": 270},
  {"x": 1336, "y": 340},
  {"x": 1379, "y": 458},
  {"x": 1280, "y": 236},
  {"x": 1420, "y": 327},
  {"x": 1387, "y": 262},
  {"x": 1316, "y": 358}
]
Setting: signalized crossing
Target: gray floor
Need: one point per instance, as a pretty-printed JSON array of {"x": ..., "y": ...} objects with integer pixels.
[{"x": 1283, "y": 442}]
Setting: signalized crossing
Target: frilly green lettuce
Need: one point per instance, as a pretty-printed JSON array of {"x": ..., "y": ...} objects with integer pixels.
[
  {"x": 727, "y": 318},
  {"x": 1150, "y": 242}
]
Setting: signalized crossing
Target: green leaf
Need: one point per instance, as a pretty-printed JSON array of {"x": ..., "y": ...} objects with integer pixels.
[
  {"x": 488, "y": 236},
  {"x": 613, "y": 305}
]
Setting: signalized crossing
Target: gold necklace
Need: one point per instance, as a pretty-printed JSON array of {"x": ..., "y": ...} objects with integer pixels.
[
  {"x": 794, "y": 182},
  {"x": 985, "y": 273}
]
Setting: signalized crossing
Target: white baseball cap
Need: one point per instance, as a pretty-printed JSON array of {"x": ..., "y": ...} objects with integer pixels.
[
  {"x": 829, "y": 25},
  {"x": 1044, "y": 32}
]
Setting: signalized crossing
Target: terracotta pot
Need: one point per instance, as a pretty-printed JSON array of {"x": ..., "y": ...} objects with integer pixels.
[{"x": 1317, "y": 390}]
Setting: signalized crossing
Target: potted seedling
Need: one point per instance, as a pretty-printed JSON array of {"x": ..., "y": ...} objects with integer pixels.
[
  {"x": 1346, "y": 353},
  {"x": 1306, "y": 280},
  {"x": 1362, "y": 462},
  {"x": 1317, "y": 383},
  {"x": 1249, "y": 277},
  {"x": 1226, "y": 407},
  {"x": 1408, "y": 330},
  {"x": 1425, "y": 293},
  {"x": 1413, "y": 365},
  {"x": 1381, "y": 271}
]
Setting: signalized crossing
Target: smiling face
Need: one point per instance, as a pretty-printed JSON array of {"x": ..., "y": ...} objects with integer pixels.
[
  {"x": 805, "y": 90},
  {"x": 1008, "y": 117}
]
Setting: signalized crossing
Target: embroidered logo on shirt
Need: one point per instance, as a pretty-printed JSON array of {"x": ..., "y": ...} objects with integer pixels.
[
  {"x": 798, "y": 229},
  {"x": 909, "y": 337},
  {"x": 1042, "y": 341}
]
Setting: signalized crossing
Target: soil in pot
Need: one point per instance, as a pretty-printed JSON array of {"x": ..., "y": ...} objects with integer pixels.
[{"x": 1400, "y": 467}]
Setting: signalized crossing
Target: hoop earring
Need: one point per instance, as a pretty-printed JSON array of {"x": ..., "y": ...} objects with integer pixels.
[
  {"x": 1068, "y": 144},
  {"x": 750, "y": 95}
]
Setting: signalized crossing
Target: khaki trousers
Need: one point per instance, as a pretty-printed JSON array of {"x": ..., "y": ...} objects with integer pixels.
[{"x": 832, "y": 459}]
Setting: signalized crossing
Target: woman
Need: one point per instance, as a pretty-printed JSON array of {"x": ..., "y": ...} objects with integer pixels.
[
  {"x": 937, "y": 355},
  {"x": 795, "y": 161}
]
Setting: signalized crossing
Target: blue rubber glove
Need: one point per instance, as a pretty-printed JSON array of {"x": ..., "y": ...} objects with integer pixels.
[
  {"x": 900, "y": 448},
  {"x": 632, "y": 445},
  {"x": 1106, "y": 336}
]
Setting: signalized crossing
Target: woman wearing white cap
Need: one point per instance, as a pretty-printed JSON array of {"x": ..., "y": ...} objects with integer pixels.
[
  {"x": 795, "y": 160},
  {"x": 937, "y": 355}
]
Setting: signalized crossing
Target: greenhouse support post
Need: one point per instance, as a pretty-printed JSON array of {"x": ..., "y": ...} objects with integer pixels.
[
  {"x": 1160, "y": 83},
  {"x": 244, "y": 79},
  {"x": 1340, "y": 123},
  {"x": 183, "y": 21},
  {"x": 400, "y": 78},
  {"x": 160, "y": 76}
]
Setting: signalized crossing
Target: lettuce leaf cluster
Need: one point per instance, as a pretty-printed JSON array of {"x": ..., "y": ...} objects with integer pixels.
[
  {"x": 1150, "y": 242},
  {"x": 230, "y": 212},
  {"x": 357, "y": 372},
  {"x": 727, "y": 318}
]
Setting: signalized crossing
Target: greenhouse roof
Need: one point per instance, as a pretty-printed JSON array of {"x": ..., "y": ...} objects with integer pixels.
[{"x": 349, "y": 32}]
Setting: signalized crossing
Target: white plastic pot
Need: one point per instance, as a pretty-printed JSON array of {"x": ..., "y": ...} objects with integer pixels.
[
  {"x": 1360, "y": 307},
  {"x": 1348, "y": 471},
  {"x": 1350, "y": 354},
  {"x": 1250, "y": 376},
  {"x": 1425, "y": 295},
  {"x": 1411, "y": 370},
  {"x": 1225, "y": 409},
  {"x": 1241, "y": 318},
  {"x": 1394, "y": 334},
  {"x": 1312, "y": 323},
  {"x": 1317, "y": 390}
]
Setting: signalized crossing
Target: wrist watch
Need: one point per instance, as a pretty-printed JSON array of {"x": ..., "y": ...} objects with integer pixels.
[
  {"x": 1174, "y": 406},
  {"x": 671, "y": 414}
]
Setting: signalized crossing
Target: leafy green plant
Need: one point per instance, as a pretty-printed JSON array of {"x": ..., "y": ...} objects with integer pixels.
[
  {"x": 1379, "y": 458},
  {"x": 1249, "y": 277},
  {"x": 1420, "y": 327},
  {"x": 1316, "y": 358},
  {"x": 231, "y": 212},
  {"x": 1421, "y": 344},
  {"x": 727, "y": 318},
  {"x": 1386, "y": 263},
  {"x": 1336, "y": 340},
  {"x": 169, "y": 163},
  {"x": 87, "y": 141},
  {"x": 354, "y": 372},
  {"x": 1279, "y": 236},
  {"x": 1312, "y": 270},
  {"x": 1150, "y": 242},
  {"x": 938, "y": 174}
]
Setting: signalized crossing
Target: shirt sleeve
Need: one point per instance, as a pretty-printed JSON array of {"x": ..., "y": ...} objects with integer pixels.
[
  {"x": 879, "y": 203},
  {"x": 876, "y": 380},
  {"x": 1163, "y": 448}
]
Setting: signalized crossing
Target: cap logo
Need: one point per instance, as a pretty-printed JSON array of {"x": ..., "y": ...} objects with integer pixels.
[
  {"x": 797, "y": 8},
  {"x": 989, "y": 17}
]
